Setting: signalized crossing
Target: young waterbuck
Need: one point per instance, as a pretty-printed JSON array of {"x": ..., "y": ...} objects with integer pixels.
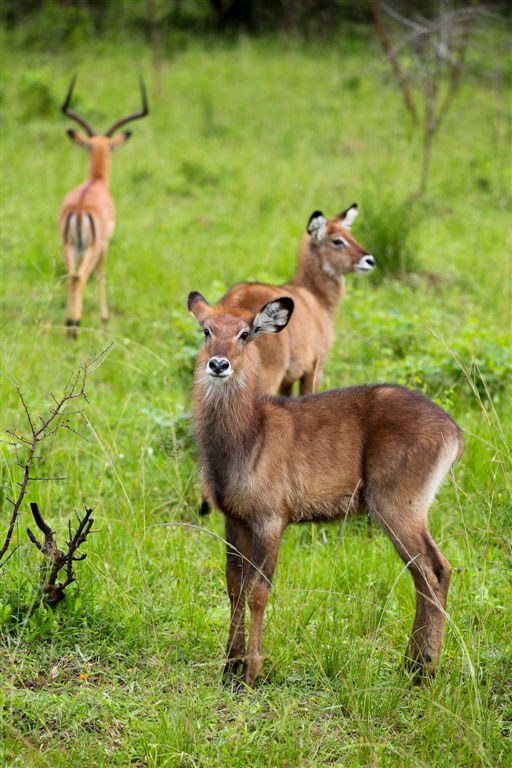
[
  {"x": 327, "y": 253},
  {"x": 268, "y": 462}
]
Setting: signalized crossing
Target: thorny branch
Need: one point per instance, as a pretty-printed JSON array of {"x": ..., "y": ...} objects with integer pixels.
[
  {"x": 56, "y": 419},
  {"x": 56, "y": 560}
]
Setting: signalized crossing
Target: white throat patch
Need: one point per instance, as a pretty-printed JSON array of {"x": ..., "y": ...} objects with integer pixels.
[{"x": 329, "y": 270}]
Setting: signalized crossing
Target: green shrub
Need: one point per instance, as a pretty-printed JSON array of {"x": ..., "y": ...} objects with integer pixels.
[
  {"x": 37, "y": 96},
  {"x": 387, "y": 230}
]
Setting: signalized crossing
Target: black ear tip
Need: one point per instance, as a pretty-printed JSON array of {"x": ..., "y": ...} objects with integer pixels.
[
  {"x": 71, "y": 133},
  {"x": 127, "y": 134},
  {"x": 193, "y": 297},
  {"x": 354, "y": 205},
  {"x": 314, "y": 215},
  {"x": 287, "y": 303}
]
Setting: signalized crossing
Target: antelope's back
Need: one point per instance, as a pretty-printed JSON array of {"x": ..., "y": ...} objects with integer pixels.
[{"x": 287, "y": 356}]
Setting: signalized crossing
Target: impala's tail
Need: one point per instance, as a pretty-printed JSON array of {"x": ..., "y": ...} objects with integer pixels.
[
  {"x": 80, "y": 253},
  {"x": 80, "y": 235}
]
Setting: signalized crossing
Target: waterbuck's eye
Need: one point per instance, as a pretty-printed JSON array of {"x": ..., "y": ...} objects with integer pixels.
[
  {"x": 338, "y": 242},
  {"x": 206, "y": 333},
  {"x": 244, "y": 335}
]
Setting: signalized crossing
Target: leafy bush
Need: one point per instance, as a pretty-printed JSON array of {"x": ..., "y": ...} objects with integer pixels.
[
  {"x": 402, "y": 349},
  {"x": 53, "y": 24},
  {"x": 387, "y": 229},
  {"x": 37, "y": 97}
]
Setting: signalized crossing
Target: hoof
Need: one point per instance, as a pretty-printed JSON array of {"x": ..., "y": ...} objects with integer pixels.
[
  {"x": 421, "y": 668},
  {"x": 231, "y": 670},
  {"x": 205, "y": 508},
  {"x": 72, "y": 327},
  {"x": 241, "y": 688}
]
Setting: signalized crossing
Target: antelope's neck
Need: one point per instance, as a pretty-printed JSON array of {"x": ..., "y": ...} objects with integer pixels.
[
  {"x": 99, "y": 167},
  {"x": 228, "y": 419},
  {"x": 320, "y": 279}
]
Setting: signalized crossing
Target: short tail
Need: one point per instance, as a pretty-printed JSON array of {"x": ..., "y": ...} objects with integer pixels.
[{"x": 80, "y": 234}]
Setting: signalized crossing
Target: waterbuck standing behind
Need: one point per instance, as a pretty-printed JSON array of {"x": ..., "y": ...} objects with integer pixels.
[{"x": 328, "y": 252}]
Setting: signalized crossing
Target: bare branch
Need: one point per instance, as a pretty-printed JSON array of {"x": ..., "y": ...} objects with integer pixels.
[
  {"x": 37, "y": 479},
  {"x": 422, "y": 28},
  {"x": 439, "y": 46},
  {"x": 20, "y": 395},
  {"x": 11, "y": 553},
  {"x": 75, "y": 388},
  {"x": 19, "y": 438},
  {"x": 457, "y": 67},
  {"x": 388, "y": 49}
]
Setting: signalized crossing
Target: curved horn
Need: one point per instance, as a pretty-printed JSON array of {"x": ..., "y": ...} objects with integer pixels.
[
  {"x": 71, "y": 112},
  {"x": 136, "y": 115}
]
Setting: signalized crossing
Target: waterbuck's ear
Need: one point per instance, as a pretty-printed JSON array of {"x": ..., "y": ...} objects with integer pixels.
[
  {"x": 198, "y": 306},
  {"x": 317, "y": 225},
  {"x": 348, "y": 217},
  {"x": 273, "y": 317}
]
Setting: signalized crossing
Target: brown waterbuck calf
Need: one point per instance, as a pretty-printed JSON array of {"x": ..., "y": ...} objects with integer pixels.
[
  {"x": 272, "y": 461},
  {"x": 87, "y": 216},
  {"x": 328, "y": 252}
]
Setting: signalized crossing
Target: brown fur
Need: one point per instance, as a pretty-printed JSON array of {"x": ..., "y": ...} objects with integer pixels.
[
  {"x": 91, "y": 200},
  {"x": 317, "y": 289},
  {"x": 269, "y": 462}
]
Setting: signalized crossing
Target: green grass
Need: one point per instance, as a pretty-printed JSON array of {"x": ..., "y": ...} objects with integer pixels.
[{"x": 217, "y": 187}]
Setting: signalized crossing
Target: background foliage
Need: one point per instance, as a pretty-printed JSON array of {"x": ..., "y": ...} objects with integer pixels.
[{"x": 247, "y": 137}]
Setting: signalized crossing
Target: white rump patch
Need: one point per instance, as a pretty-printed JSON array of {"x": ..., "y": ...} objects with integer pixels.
[{"x": 445, "y": 460}]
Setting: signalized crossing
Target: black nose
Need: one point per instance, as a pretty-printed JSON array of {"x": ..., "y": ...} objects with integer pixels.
[
  {"x": 218, "y": 365},
  {"x": 369, "y": 260}
]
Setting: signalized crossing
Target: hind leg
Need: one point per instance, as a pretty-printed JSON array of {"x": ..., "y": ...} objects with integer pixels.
[
  {"x": 72, "y": 325},
  {"x": 431, "y": 574},
  {"x": 103, "y": 287},
  {"x": 76, "y": 286}
]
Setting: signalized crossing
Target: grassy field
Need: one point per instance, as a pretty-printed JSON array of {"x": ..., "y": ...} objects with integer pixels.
[{"x": 216, "y": 187}]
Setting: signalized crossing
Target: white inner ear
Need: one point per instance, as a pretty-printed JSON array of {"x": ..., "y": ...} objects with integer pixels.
[
  {"x": 272, "y": 317},
  {"x": 317, "y": 227},
  {"x": 350, "y": 217}
]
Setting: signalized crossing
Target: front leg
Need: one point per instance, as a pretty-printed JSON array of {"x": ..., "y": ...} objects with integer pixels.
[
  {"x": 238, "y": 539},
  {"x": 265, "y": 547}
]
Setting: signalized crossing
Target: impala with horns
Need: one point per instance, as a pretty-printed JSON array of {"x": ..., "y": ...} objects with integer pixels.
[
  {"x": 269, "y": 462},
  {"x": 87, "y": 216}
]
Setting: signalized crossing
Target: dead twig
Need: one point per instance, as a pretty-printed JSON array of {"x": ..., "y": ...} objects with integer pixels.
[
  {"x": 55, "y": 559},
  {"x": 41, "y": 429}
]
